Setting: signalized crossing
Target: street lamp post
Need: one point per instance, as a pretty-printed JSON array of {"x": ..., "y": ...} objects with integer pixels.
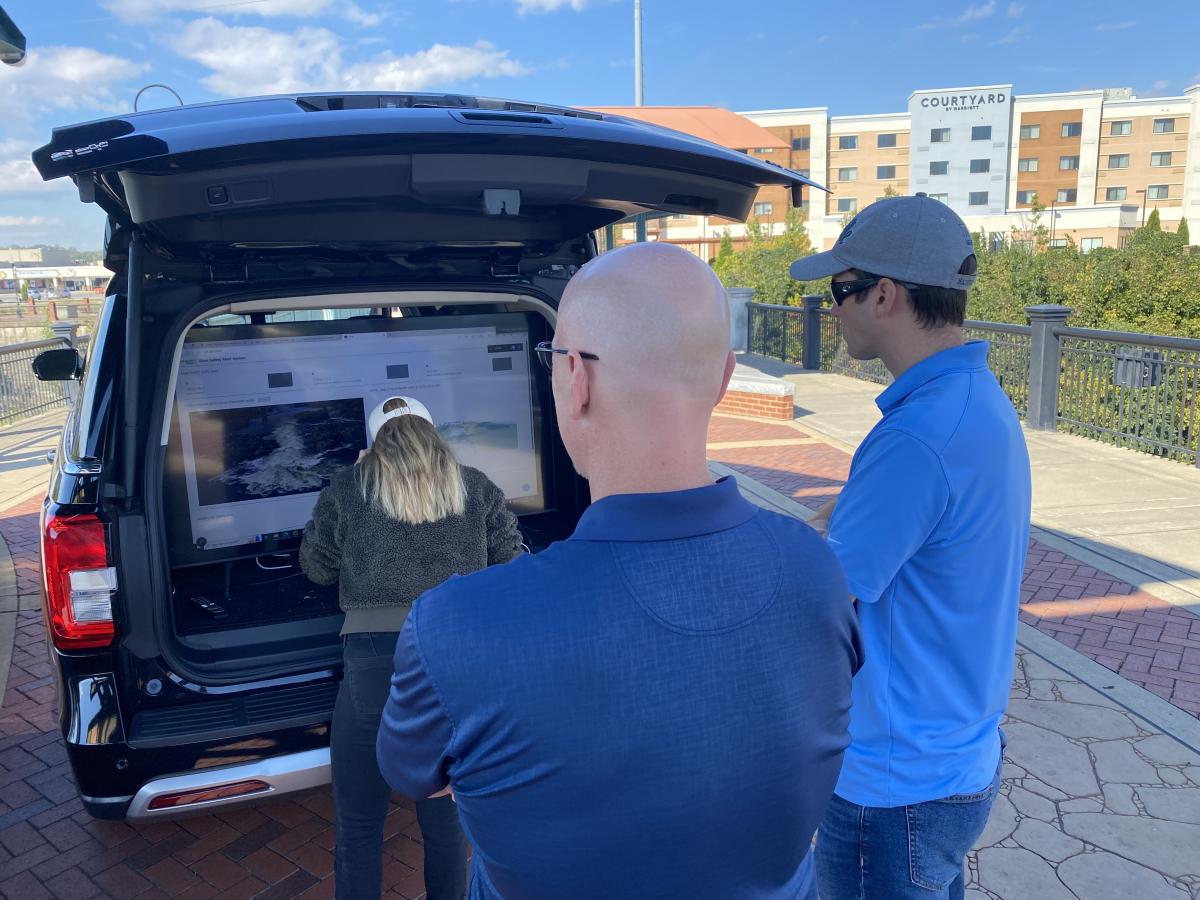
[
  {"x": 1142, "y": 191},
  {"x": 638, "y": 97}
]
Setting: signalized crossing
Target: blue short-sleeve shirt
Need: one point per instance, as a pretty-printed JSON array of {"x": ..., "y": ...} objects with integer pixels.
[
  {"x": 656, "y": 707},
  {"x": 932, "y": 530}
]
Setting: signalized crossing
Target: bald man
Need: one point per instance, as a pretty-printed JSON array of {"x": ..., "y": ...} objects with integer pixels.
[{"x": 656, "y": 707}]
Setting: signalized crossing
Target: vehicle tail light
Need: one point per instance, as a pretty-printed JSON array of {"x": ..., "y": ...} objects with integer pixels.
[
  {"x": 207, "y": 795},
  {"x": 79, "y": 582}
]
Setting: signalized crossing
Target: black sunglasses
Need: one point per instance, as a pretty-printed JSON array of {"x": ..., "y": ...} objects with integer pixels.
[
  {"x": 545, "y": 352},
  {"x": 844, "y": 290}
]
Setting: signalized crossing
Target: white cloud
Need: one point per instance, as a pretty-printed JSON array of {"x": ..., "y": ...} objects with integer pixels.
[
  {"x": 25, "y": 221},
  {"x": 968, "y": 38},
  {"x": 439, "y": 65},
  {"x": 361, "y": 17},
  {"x": 546, "y": 6},
  {"x": 1158, "y": 89},
  {"x": 1015, "y": 10},
  {"x": 246, "y": 60},
  {"x": 976, "y": 13},
  {"x": 1115, "y": 26},
  {"x": 970, "y": 14},
  {"x": 67, "y": 81},
  {"x": 1015, "y": 36},
  {"x": 148, "y": 10}
]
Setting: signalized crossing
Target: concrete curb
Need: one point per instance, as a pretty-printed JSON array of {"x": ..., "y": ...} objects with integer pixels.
[
  {"x": 8, "y": 617},
  {"x": 1136, "y": 700}
]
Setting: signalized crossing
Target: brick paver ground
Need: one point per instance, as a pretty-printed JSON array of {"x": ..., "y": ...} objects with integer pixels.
[
  {"x": 1144, "y": 639},
  {"x": 49, "y": 847}
]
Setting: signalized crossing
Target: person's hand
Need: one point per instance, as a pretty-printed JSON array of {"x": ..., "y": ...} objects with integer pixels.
[
  {"x": 447, "y": 790},
  {"x": 820, "y": 520}
]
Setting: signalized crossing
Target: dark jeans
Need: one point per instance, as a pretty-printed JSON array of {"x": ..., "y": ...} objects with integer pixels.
[
  {"x": 361, "y": 795},
  {"x": 901, "y": 853}
]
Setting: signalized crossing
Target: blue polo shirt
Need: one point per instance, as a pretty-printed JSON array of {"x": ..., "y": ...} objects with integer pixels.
[
  {"x": 656, "y": 707},
  {"x": 932, "y": 530}
]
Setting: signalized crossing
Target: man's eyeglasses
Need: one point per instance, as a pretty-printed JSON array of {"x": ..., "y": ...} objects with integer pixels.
[
  {"x": 844, "y": 290},
  {"x": 545, "y": 353}
]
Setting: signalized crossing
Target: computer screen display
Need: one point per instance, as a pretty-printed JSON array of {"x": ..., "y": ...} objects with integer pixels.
[{"x": 266, "y": 414}]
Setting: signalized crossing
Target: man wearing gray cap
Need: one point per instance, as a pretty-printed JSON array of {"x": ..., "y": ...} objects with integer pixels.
[{"x": 932, "y": 530}]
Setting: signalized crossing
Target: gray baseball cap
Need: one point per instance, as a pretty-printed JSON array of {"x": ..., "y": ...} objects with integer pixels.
[{"x": 915, "y": 239}]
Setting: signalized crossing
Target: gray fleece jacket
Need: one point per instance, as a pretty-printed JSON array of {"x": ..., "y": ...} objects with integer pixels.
[{"x": 382, "y": 565}]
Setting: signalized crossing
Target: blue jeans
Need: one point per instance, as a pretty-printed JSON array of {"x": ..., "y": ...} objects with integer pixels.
[
  {"x": 917, "y": 852},
  {"x": 360, "y": 794}
]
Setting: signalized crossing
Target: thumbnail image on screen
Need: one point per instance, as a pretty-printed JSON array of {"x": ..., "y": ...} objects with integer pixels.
[{"x": 254, "y": 452}]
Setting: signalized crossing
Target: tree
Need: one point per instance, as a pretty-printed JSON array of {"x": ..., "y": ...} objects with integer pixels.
[
  {"x": 1184, "y": 236},
  {"x": 890, "y": 191},
  {"x": 1154, "y": 223}
]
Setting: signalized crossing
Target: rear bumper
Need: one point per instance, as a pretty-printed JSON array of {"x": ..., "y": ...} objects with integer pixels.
[{"x": 281, "y": 774}]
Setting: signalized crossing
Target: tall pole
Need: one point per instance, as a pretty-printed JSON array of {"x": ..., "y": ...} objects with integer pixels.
[{"x": 638, "y": 98}]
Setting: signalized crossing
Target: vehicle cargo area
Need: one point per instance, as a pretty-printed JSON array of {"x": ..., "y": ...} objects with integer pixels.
[{"x": 267, "y": 407}]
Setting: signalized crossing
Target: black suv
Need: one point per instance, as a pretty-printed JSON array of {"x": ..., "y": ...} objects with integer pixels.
[{"x": 281, "y": 265}]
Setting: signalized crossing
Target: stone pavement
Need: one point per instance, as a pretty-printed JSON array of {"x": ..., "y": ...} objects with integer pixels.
[{"x": 1100, "y": 794}]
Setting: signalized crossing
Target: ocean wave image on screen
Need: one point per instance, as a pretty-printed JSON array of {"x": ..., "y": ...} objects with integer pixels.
[{"x": 255, "y": 452}]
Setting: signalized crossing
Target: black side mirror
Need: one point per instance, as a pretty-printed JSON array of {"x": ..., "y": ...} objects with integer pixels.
[
  {"x": 61, "y": 364},
  {"x": 12, "y": 42}
]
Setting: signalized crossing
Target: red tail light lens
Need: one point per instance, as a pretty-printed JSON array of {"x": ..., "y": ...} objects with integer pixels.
[{"x": 79, "y": 582}]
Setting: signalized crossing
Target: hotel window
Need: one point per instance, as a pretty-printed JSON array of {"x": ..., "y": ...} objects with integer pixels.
[
  {"x": 847, "y": 205},
  {"x": 977, "y": 198},
  {"x": 1068, "y": 163},
  {"x": 1058, "y": 244},
  {"x": 940, "y": 198},
  {"x": 1159, "y": 160},
  {"x": 1123, "y": 128},
  {"x": 939, "y": 168},
  {"x": 1114, "y": 193},
  {"x": 1072, "y": 129},
  {"x": 801, "y": 143},
  {"x": 850, "y": 173},
  {"x": 1158, "y": 192},
  {"x": 1026, "y": 196},
  {"x": 1118, "y": 161},
  {"x": 981, "y": 132},
  {"x": 1087, "y": 245},
  {"x": 979, "y": 166},
  {"x": 939, "y": 135},
  {"x": 848, "y": 142},
  {"x": 885, "y": 140},
  {"x": 1067, "y": 195},
  {"x": 1031, "y": 132},
  {"x": 1027, "y": 165},
  {"x": 765, "y": 150},
  {"x": 763, "y": 209},
  {"x": 885, "y": 173},
  {"x": 1164, "y": 126}
]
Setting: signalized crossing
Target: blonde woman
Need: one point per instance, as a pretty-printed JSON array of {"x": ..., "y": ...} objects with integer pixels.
[{"x": 400, "y": 521}]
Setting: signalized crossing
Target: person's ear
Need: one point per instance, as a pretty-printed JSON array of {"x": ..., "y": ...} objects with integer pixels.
[
  {"x": 730, "y": 363},
  {"x": 888, "y": 300},
  {"x": 581, "y": 388}
]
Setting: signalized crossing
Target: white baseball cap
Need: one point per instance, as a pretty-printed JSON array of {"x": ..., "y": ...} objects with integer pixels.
[{"x": 411, "y": 406}]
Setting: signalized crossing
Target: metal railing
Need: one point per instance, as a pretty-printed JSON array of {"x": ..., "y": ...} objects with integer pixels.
[
  {"x": 1132, "y": 390},
  {"x": 21, "y": 394}
]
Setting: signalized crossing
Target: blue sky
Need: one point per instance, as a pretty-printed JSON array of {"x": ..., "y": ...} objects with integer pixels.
[{"x": 89, "y": 57}]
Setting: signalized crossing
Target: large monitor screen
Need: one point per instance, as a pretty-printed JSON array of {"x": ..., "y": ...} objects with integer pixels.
[{"x": 266, "y": 414}]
